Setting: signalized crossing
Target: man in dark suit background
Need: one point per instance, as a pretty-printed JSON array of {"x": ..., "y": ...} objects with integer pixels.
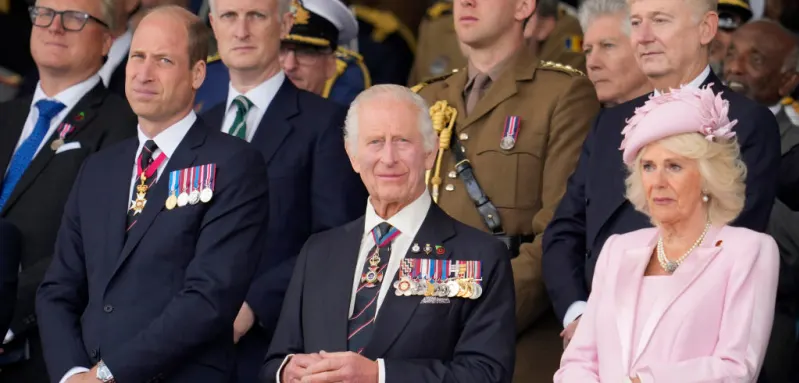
[
  {"x": 671, "y": 40},
  {"x": 160, "y": 235},
  {"x": 312, "y": 187},
  {"x": 375, "y": 327},
  {"x": 10, "y": 248},
  {"x": 44, "y": 138}
]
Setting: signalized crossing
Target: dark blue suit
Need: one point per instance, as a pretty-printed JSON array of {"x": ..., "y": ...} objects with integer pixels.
[
  {"x": 158, "y": 305},
  {"x": 10, "y": 250},
  {"x": 312, "y": 188},
  {"x": 594, "y": 206},
  {"x": 462, "y": 340}
]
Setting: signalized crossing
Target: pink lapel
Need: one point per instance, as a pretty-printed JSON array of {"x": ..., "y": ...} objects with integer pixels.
[
  {"x": 628, "y": 285},
  {"x": 686, "y": 274}
]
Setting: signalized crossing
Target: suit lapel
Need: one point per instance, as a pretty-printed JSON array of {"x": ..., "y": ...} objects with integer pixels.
[
  {"x": 628, "y": 286},
  {"x": 275, "y": 126},
  {"x": 693, "y": 266},
  {"x": 396, "y": 312},
  {"x": 183, "y": 157},
  {"x": 80, "y": 116},
  {"x": 340, "y": 285},
  {"x": 11, "y": 128},
  {"x": 118, "y": 200}
]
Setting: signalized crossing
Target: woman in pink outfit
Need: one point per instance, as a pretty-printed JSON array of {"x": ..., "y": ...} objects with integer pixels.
[{"x": 691, "y": 299}]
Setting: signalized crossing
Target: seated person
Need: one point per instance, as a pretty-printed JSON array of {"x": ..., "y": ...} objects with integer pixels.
[{"x": 691, "y": 299}]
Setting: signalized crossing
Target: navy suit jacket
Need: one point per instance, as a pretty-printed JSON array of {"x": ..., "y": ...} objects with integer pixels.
[
  {"x": 462, "y": 340},
  {"x": 158, "y": 305},
  {"x": 10, "y": 249},
  {"x": 594, "y": 206},
  {"x": 312, "y": 186}
]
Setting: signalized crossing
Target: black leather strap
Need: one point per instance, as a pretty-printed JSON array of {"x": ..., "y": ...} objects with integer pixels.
[
  {"x": 514, "y": 242},
  {"x": 484, "y": 206}
]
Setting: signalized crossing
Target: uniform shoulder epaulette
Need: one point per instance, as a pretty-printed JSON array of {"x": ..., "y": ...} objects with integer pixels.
[
  {"x": 344, "y": 53},
  {"x": 560, "y": 68},
  {"x": 212, "y": 58},
  {"x": 384, "y": 23},
  {"x": 416, "y": 88},
  {"x": 346, "y": 58},
  {"x": 439, "y": 9}
]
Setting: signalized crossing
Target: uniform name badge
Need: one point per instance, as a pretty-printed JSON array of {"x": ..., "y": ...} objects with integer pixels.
[{"x": 510, "y": 132}]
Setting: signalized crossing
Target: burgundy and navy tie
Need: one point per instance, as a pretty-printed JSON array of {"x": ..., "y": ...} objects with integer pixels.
[
  {"x": 147, "y": 159},
  {"x": 361, "y": 323}
]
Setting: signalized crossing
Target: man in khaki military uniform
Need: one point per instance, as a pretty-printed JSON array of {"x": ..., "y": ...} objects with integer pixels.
[
  {"x": 521, "y": 123},
  {"x": 438, "y": 53}
]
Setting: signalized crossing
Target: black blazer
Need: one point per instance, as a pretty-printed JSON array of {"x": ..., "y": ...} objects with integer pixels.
[
  {"x": 37, "y": 202},
  {"x": 462, "y": 340},
  {"x": 594, "y": 206},
  {"x": 159, "y": 303},
  {"x": 10, "y": 247},
  {"x": 312, "y": 186}
]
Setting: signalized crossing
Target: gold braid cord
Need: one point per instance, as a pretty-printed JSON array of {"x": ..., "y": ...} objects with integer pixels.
[{"x": 443, "y": 117}]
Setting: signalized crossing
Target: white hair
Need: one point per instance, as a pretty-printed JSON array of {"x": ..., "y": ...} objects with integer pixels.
[
  {"x": 283, "y": 7},
  {"x": 590, "y": 10},
  {"x": 396, "y": 93}
]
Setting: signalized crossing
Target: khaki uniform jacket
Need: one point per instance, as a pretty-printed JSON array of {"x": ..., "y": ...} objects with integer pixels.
[{"x": 556, "y": 106}]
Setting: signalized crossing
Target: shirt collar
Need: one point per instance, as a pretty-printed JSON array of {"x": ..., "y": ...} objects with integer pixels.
[
  {"x": 169, "y": 139},
  {"x": 70, "y": 96},
  {"x": 119, "y": 49},
  {"x": 261, "y": 96},
  {"x": 407, "y": 221},
  {"x": 493, "y": 73},
  {"x": 696, "y": 83}
]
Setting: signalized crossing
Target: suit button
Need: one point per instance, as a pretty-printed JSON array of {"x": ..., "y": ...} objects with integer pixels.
[
  {"x": 108, "y": 308},
  {"x": 587, "y": 201},
  {"x": 94, "y": 353}
]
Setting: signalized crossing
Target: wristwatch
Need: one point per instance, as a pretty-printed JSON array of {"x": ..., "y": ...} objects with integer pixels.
[{"x": 104, "y": 374}]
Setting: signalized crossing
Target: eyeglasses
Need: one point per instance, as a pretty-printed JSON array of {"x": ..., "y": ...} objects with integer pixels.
[
  {"x": 70, "y": 20},
  {"x": 304, "y": 56}
]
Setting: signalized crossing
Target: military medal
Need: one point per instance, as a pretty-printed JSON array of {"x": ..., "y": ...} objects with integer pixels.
[
  {"x": 510, "y": 133},
  {"x": 183, "y": 197},
  {"x": 172, "y": 200},
  {"x": 475, "y": 277},
  {"x": 403, "y": 285},
  {"x": 63, "y": 130},
  {"x": 137, "y": 205},
  {"x": 375, "y": 272},
  {"x": 208, "y": 185},
  {"x": 194, "y": 195}
]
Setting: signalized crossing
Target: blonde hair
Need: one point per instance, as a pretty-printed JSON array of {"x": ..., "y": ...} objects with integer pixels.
[{"x": 720, "y": 166}]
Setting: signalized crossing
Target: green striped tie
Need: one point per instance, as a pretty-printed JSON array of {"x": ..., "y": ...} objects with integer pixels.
[{"x": 239, "y": 127}]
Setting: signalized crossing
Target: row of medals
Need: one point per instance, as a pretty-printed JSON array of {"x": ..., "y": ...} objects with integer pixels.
[
  {"x": 452, "y": 288},
  {"x": 192, "y": 198}
]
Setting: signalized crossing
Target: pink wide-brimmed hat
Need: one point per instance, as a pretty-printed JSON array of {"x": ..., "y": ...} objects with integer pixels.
[{"x": 684, "y": 110}]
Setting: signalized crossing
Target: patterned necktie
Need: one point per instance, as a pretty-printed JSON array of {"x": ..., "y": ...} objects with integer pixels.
[
  {"x": 239, "y": 127},
  {"x": 361, "y": 322},
  {"x": 480, "y": 83},
  {"x": 24, "y": 155},
  {"x": 146, "y": 158}
]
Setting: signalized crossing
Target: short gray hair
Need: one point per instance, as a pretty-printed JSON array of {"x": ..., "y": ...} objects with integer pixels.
[
  {"x": 591, "y": 10},
  {"x": 283, "y": 6},
  {"x": 397, "y": 93}
]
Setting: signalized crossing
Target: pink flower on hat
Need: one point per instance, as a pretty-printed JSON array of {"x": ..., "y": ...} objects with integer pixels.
[{"x": 683, "y": 110}]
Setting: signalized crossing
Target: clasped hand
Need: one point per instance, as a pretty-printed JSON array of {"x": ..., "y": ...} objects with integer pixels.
[{"x": 347, "y": 367}]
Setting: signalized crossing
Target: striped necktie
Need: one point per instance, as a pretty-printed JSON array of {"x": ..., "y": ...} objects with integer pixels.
[
  {"x": 239, "y": 127},
  {"x": 361, "y": 323}
]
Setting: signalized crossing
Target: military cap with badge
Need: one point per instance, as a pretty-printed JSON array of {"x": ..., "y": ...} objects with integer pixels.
[{"x": 733, "y": 14}]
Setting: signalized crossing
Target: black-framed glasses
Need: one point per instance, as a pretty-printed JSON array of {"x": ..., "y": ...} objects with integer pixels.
[
  {"x": 305, "y": 56},
  {"x": 70, "y": 20}
]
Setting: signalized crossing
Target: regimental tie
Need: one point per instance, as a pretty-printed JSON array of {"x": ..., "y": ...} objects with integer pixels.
[
  {"x": 146, "y": 169},
  {"x": 239, "y": 127},
  {"x": 361, "y": 323}
]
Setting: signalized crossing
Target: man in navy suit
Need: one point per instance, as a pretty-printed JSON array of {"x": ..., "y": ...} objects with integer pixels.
[
  {"x": 160, "y": 236},
  {"x": 671, "y": 40},
  {"x": 312, "y": 187},
  {"x": 394, "y": 295},
  {"x": 10, "y": 250}
]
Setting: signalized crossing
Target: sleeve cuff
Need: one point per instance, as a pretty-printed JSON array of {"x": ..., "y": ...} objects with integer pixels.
[
  {"x": 575, "y": 310},
  {"x": 381, "y": 371},
  {"x": 73, "y": 371},
  {"x": 280, "y": 369}
]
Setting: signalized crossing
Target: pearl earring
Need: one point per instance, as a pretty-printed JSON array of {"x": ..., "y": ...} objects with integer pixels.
[{"x": 705, "y": 198}]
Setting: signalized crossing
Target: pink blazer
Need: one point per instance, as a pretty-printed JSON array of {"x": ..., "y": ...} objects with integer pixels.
[{"x": 712, "y": 324}]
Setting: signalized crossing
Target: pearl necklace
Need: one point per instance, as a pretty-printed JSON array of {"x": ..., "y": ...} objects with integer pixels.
[{"x": 671, "y": 266}]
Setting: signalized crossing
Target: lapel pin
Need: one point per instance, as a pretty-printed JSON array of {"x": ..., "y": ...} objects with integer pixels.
[
  {"x": 415, "y": 248},
  {"x": 719, "y": 243},
  {"x": 440, "y": 250},
  {"x": 428, "y": 249},
  {"x": 80, "y": 116}
]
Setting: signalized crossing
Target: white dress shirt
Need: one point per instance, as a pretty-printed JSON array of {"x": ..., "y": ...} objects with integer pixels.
[
  {"x": 167, "y": 142},
  {"x": 69, "y": 97},
  {"x": 407, "y": 221},
  {"x": 261, "y": 96},
  {"x": 119, "y": 50},
  {"x": 577, "y": 308}
]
